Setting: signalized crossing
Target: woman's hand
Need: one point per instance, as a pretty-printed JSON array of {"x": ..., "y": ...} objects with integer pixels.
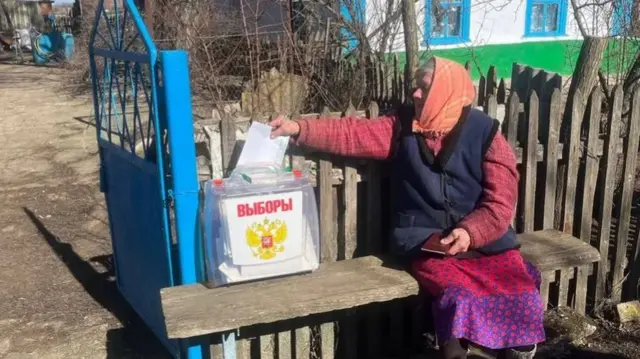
[
  {"x": 281, "y": 126},
  {"x": 460, "y": 239}
]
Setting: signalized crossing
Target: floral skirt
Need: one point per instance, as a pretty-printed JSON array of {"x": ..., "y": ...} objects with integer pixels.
[{"x": 493, "y": 301}]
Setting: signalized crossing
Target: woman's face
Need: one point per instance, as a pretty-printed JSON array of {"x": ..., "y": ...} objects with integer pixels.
[{"x": 424, "y": 78}]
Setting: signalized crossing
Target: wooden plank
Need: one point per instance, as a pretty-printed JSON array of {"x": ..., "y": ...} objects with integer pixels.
[
  {"x": 350, "y": 204},
  {"x": 349, "y": 332},
  {"x": 530, "y": 166},
  {"x": 195, "y": 310},
  {"x": 551, "y": 276},
  {"x": 243, "y": 349},
  {"x": 491, "y": 106},
  {"x": 588, "y": 193},
  {"x": 551, "y": 249},
  {"x": 481, "y": 93},
  {"x": 327, "y": 340},
  {"x": 268, "y": 346},
  {"x": 580, "y": 297},
  {"x": 303, "y": 343},
  {"x": 551, "y": 160},
  {"x": 624, "y": 214},
  {"x": 227, "y": 141},
  {"x": 607, "y": 188},
  {"x": 328, "y": 239},
  {"x": 551, "y": 178},
  {"x": 325, "y": 184},
  {"x": 563, "y": 286},
  {"x": 631, "y": 286},
  {"x": 492, "y": 81},
  {"x": 591, "y": 167},
  {"x": 510, "y": 131},
  {"x": 374, "y": 242},
  {"x": 572, "y": 155},
  {"x": 510, "y": 124},
  {"x": 216, "y": 352},
  {"x": 284, "y": 345},
  {"x": 544, "y": 292}
]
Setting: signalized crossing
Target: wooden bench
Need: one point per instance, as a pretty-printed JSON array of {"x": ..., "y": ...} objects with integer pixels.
[{"x": 194, "y": 310}]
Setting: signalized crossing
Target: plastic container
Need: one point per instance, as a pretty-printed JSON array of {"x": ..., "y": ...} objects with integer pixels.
[
  {"x": 261, "y": 222},
  {"x": 52, "y": 45}
]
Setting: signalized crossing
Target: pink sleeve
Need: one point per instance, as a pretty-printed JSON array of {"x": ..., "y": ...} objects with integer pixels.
[
  {"x": 350, "y": 136},
  {"x": 493, "y": 215}
]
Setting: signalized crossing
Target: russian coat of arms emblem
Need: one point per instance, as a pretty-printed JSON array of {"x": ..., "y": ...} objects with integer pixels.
[{"x": 266, "y": 238}]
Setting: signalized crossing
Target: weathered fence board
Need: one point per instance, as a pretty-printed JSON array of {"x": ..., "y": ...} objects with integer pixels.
[{"x": 607, "y": 187}]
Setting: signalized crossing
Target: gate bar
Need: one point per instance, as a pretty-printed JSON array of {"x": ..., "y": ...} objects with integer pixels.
[{"x": 184, "y": 176}]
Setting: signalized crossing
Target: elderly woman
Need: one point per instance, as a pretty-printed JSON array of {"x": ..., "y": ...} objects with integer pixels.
[{"x": 455, "y": 184}]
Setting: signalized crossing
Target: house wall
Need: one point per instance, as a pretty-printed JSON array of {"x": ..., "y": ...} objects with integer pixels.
[
  {"x": 265, "y": 16},
  {"x": 497, "y": 35}
]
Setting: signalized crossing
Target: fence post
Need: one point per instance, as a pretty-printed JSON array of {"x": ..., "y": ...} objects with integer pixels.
[
  {"x": 530, "y": 163},
  {"x": 630, "y": 152},
  {"x": 571, "y": 158},
  {"x": 607, "y": 185},
  {"x": 374, "y": 238},
  {"x": 634, "y": 275},
  {"x": 491, "y": 106},
  {"x": 227, "y": 141}
]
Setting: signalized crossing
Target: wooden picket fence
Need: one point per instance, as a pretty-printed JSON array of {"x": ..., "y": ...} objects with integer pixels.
[{"x": 589, "y": 203}]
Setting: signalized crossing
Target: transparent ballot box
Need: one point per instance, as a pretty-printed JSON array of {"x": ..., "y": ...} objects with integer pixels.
[{"x": 261, "y": 222}]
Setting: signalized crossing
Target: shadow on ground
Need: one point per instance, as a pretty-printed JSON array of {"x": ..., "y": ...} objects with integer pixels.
[{"x": 134, "y": 339}]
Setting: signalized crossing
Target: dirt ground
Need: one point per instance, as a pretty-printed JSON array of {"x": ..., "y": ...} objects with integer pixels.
[
  {"x": 57, "y": 299},
  {"x": 57, "y": 295}
]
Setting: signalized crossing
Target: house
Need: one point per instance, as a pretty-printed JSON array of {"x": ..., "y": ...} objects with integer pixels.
[{"x": 539, "y": 33}]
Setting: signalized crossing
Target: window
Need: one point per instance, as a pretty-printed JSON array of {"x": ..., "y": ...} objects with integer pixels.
[
  {"x": 447, "y": 22},
  {"x": 546, "y": 18},
  {"x": 623, "y": 11}
]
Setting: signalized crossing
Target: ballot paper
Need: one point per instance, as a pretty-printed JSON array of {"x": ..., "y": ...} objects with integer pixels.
[{"x": 259, "y": 148}]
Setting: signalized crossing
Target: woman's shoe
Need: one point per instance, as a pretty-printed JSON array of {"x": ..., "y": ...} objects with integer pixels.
[{"x": 520, "y": 354}]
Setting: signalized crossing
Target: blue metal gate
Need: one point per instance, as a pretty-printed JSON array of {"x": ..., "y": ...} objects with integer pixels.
[{"x": 143, "y": 117}]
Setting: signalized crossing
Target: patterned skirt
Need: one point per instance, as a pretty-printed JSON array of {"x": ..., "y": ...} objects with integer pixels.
[{"x": 493, "y": 301}]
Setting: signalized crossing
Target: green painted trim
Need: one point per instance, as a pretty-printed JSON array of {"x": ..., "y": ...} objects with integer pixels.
[{"x": 553, "y": 56}]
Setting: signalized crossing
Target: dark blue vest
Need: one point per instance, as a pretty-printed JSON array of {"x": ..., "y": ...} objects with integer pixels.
[{"x": 433, "y": 193}]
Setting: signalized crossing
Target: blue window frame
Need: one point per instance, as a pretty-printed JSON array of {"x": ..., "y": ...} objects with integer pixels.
[
  {"x": 546, "y": 18},
  {"x": 447, "y": 21},
  {"x": 622, "y": 17}
]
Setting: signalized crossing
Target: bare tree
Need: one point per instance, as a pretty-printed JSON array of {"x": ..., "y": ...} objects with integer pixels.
[
  {"x": 5, "y": 10},
  {"x": 410, "y": 27}
]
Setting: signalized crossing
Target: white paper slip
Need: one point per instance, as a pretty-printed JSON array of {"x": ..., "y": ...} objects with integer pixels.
[{"x": 260, "y": 148}]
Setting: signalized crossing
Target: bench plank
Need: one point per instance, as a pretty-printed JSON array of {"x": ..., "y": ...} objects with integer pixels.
[
  {"x": 552, "y": 249},
  {"x": 194, "y": 310}
]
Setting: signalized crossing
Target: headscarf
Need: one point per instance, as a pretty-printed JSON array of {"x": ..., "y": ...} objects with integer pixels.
[{"x": 451, "y": 90}]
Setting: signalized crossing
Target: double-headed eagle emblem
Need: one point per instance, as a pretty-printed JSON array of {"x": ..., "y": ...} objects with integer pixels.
[{"x": 266, "y": 238}]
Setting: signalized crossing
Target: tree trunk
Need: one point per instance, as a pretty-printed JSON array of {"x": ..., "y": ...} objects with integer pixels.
[
  {"x": 584, "y": 78},
  {"x": 635, "y": 19},
  {"x": 386, "y": 30},
  {"x": 5, "y": 10},
  {"x": 410, "y": 27},
  {"x": 585, "y": 74},
  {"x": 631, "y": 83}
]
